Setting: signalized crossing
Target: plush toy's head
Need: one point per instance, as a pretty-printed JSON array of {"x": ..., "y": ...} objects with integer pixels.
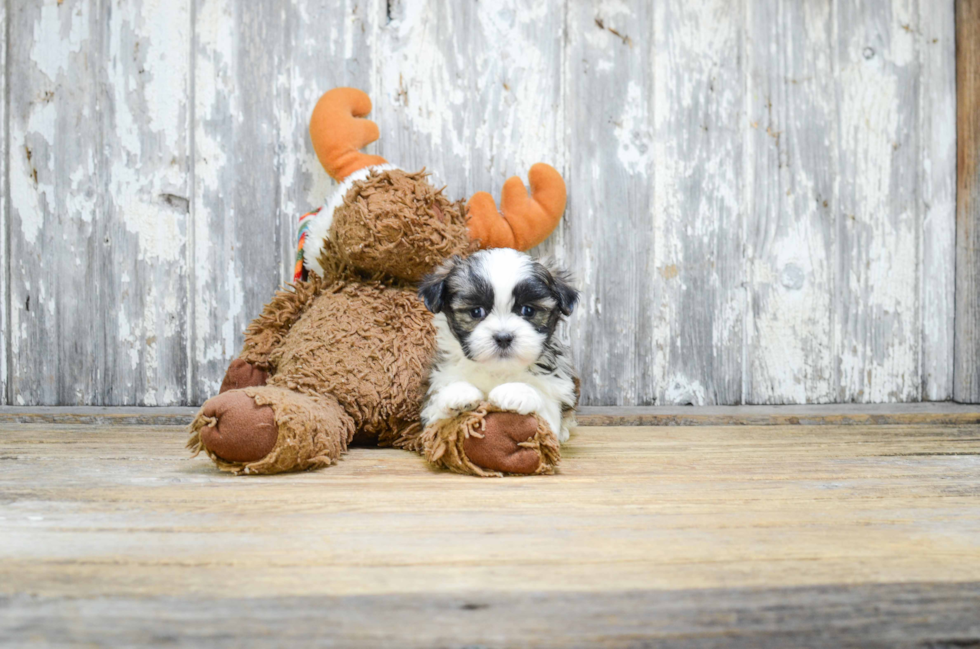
[
  {"x": 396, "y": 223},
  {"x": 383, "y": 221}
]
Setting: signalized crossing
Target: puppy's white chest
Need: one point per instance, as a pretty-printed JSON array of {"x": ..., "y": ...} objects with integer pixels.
[{"x": 487, "y": 379}]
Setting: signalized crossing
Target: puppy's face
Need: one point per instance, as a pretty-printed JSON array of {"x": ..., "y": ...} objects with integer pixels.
[{"x": 501, "y": 305}]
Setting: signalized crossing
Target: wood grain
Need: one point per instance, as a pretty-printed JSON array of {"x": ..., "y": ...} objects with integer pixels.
[
  {"x": 58, "y": 182},
  {"x": 877, "y": 301},
  {"x": 893, "y": 616},
  {"x": 967, "y": 354},
  {"x": 697, "y": 203},
  {"x": 120, "y": 512},
  {"x": 790, "y": 203},
  {"x": 98, "y": 203},
  {"x": 145, "y": 139},
  {"x": 471, "y": 91},
  {"x": 848, "y": 414},
  {"x": 937, "y": 197},
  {"x": 610, "y": 225},
  {"x": 760, "y": 194},
  {"x": 4, "y": 208},
  {"x": 927, "y": 414},
  {"x": 97, "y": 516}
]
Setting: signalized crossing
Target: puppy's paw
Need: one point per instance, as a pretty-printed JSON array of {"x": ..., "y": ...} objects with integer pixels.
[
  {"x": 460, "y": 396},
  {"x": 517, "y": 397}
]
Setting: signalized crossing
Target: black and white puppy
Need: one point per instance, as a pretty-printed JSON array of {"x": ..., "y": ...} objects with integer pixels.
[{"x": 496, "y": 315}]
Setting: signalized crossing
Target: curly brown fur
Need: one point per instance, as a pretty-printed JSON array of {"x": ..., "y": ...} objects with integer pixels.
[
  {"x": 265, "y": 333},
  {"x": 367, "y": 344},
  {"x": 396, "y": 223}
]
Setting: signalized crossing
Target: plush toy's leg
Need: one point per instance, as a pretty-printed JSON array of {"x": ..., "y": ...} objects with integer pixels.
[
  {"x": 488, "y": 443},
  {"x": 242, "y": 374},
  {"x": 265, "y": 333},
  {"x": 269, "y": 429}
]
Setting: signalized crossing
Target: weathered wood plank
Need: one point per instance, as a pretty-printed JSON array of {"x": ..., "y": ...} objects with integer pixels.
[
  {"x": 790, "y": 163},
  {"x": 928, "y": 414},
  {"x": 967, "y": 353},
  {"x": 936, "y": 42},
  {"x": 146, "y": 143},
  {"x": 699, "y": 141},
  {"x": 925, "y": 414},
  {"x": 100, "y": 415},
  {"x": 471, "y": 91},
  {"x": 122, "y": 512},
  {"x": 239, "y": 60},
  {"x": 877, "y": 312},
  {"x": 58, "y": 238},
  {"x": 699, "y": 120},
  {"x": 100, "y": 193},
  {"x": 939, "y": 616},
  {"x": 4, "y": 223},
  {"x": 610, "y": 232}
]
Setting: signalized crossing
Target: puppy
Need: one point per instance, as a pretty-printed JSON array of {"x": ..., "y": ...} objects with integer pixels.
[{"x": 496, "y": 314}]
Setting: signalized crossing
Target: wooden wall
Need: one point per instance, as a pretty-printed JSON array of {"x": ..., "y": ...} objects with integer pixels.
[
  {"x": 762, "y": 192},
  {"x": 966, "y": 371}
]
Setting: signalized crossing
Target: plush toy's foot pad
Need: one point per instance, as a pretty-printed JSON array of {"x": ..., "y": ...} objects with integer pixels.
[
  {"x": 499, "y": 450},
  {"x": 490, "y": 442},
  {"x": 242, "y": 374},
  {"x": 242, "y": 430},
  {"x": 269, "y": 429}
]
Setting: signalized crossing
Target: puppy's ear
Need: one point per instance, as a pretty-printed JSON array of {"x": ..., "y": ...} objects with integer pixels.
[
  {"x": 561, "y": 286},
  {"x": 432, "y": 290}
]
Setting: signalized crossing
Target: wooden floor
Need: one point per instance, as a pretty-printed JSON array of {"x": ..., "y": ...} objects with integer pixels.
[{"x": 669, "y": 536}]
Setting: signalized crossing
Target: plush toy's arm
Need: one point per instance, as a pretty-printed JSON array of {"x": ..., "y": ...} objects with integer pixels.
[
  {"x": 266, "y": 332},
  {"x": 523, "y": 221}
]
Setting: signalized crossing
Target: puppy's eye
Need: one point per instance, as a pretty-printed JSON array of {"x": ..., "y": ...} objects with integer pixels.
[
  {"x": 527, "y": 311},
  {"x": 478, "y": 313}
]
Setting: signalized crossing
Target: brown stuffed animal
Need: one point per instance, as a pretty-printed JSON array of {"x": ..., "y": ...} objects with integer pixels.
[{"x": 342, "y": 355}]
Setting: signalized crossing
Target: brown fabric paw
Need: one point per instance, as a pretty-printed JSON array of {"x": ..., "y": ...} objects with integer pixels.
[
  {"x": 499, "y": 448},
  {"x": 242, "y": 374},
  {"x": 488, "y": 442},
  {"x": 238, "y": 429},
  {"x": 306, "y": 432}
]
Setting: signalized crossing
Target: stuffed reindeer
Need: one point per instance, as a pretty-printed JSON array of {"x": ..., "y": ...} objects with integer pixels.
[{"x": 341, "y": 355}]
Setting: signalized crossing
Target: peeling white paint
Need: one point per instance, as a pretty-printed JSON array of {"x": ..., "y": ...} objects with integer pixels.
[
  {"x": 740, "y": 218},
  {"x": 5, "y": 329},
  {"x": 682, "y": 391},
  {"x": 68, "y": 27},
  {"x": 164, "y": 34},
  {"x": 937, "y": 125},
  {"x": 30, "y": 188},
  {"x": 633, "y": 131},
  {"x": 477, "y": 107},
  {"x": 83, "y": 198},
  {"x": 235, "y": 304}
]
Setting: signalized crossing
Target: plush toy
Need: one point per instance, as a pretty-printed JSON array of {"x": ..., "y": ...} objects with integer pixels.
[{"x": 341, "y": 356}]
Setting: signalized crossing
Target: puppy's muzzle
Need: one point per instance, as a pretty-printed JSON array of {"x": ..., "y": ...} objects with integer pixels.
[{"x": 503, "y": 339}]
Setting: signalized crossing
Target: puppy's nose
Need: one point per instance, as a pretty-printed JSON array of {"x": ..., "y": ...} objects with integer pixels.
[{"x": 503, "y": 339}]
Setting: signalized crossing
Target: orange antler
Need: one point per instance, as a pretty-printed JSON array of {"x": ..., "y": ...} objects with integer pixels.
[
  {"x": 338, "y": 132},
  {"x": 523, "y": 221}
]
